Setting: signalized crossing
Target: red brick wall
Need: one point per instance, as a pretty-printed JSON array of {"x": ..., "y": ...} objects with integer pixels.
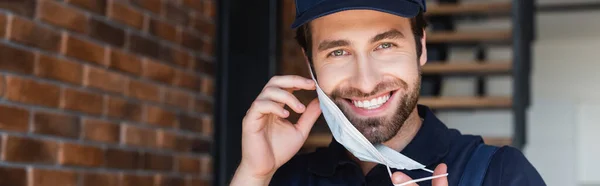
[{"x": 106, "y": 92}]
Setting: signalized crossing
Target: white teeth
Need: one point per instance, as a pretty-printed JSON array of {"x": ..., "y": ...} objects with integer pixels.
[
  {"x": 373, "y": 103},
  {"x": 366, "y": 104}
]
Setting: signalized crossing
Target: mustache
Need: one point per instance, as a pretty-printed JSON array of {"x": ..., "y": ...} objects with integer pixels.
[{"x": 383, "y": 86}]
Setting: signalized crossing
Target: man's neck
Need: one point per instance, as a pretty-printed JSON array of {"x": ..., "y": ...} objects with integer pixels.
[{"x": 408, "y": 131}]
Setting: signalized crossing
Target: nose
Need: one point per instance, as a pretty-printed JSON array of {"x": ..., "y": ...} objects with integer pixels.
[{"x": 366, "y": 75}]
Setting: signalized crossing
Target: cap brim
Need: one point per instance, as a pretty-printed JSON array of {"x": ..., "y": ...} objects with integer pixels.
[{"x": 406, "y": 9}]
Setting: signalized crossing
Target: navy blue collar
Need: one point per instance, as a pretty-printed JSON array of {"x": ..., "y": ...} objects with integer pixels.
[{"x": 428, "y": 147}]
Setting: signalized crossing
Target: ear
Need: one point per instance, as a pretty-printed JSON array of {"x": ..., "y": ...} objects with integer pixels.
[{"x": 423, "y": 58}]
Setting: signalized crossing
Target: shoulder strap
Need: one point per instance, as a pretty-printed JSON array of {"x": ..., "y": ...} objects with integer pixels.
[{"x": 477, "y": 166}]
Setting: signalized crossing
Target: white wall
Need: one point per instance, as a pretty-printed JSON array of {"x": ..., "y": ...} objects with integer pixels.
[{"x": 564, "y": 117}]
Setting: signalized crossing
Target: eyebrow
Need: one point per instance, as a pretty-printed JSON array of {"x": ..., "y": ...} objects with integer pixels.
[
  {"x": 391, "y": 34},
  {"x": 324, "y": 45}
]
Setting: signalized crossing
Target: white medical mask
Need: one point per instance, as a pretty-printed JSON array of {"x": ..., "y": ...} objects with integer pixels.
[{"x": 346, "y": 134}]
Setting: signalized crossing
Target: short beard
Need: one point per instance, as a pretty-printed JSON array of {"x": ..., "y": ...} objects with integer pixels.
[{"x": 379, "y": 130}]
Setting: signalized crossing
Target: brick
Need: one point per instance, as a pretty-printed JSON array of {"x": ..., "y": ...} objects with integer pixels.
[
  {"x": 207, "y": 126},
  {"x": 180, "y": 57},
  {"x": 166, "y": 140},
  {"x": 209, "y": 9},
  {"x": 22, "y": 7},
  {"x": 194, "y": 4},
  {"x": 85, "y": 50},
  {"x": 190, "y": 123},
  {"x": 187, "y": 164},
  {"x": 143, "y": 91},
  {"x": 123, "y": 109},
  {"x": 46, "y": 177},
  {"x": 28, "y": 150},
  {"x": 163, "y": 30},
  {"x": 197, "y": 182},
  {"x": 14, "y": 119},
  {"x": 158, "y": 72},
  {"x": 3, "y": 24},
  {"x": 107, "y": 33},
  {"x": 96, "y": 6},
  {"x": 56, "y": 124},
  {"x": 138, "y": 136},
  {"x": 122, "y": 13},
  {"x": 208, "y": 47},
  {"x": 144, "y": 46},
  {"x": 13, "y": 176},
  {"x": 209, "y": 30},
  {"x": 59, "y": 69},
  {"x": 100, "y": 179},
  {"x": 135, "y": 180},
  {"x": 191, "y": 41},
  {"x": 125, "y": 62},
  {"x": 176, "y": 14},
  {"x": 166, "y": 53},
  {"x": 69, "y": 18},
  {"x": 31, "y": 92},
  {"x": 102, "y": 79},
  {"x": 29, "y": 33},
  {"x": 183, "y": 144},
  {"x": 154, "y": 6},
  {"x": 202, "y": 25},
  {"x": 86, "y": 102},
  {"x": 205, "y": 67},
  {"x": 2, "y": 85},
  {"x": 101, "y": 131},
  {"x": 16, "y": 60},
  {"x": 158, "y": 116},
  {"x": 203, "y": 106},
  {"x": 79, "y": 155},
  {"x": 208, "y": 86},
  {"x": 206, "y": 165},
  {"x": 178, "y": 98},
  {"x": 122, "y": 159},
  {"x": 163, "y": 180},
  {"x": 187, "y": 80},
  {"x": 158, "y": 162},
  {"x": 200, "y": 146}
]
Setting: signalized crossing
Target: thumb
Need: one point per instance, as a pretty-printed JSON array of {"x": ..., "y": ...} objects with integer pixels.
[
  {"x": 439, "y": 170},
  {"x": 399, "y": 178},
  {"x": 309, "y": 117}
]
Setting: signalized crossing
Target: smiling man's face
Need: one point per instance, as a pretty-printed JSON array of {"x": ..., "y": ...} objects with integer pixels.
[{"x": 367, "y": 62}]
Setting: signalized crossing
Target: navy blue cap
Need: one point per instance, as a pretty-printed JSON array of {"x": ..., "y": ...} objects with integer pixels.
[{"x": 308, "y": 10}]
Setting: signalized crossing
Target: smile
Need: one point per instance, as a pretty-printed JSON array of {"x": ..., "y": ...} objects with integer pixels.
[{"x": 372, "y": 103}]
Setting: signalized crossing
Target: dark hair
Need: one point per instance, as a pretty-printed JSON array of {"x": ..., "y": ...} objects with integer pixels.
[{"x": 304, "y": 36}]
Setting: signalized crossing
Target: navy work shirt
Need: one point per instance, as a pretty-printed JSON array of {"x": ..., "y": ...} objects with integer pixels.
[{"x": 433, "y": 144}]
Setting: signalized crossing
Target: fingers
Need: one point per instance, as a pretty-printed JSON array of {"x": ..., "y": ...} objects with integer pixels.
[
  {"x": 439, "y": 170},
  {"x": 263, "y": 107},
  {"x": 291, "y": 82},
  {"x": 282, "y": 96},
  {"x": 399, "y": 178},
  {"x": 308, "y": 119}
]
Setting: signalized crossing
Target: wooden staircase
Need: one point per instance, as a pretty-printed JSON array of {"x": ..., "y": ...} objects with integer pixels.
[{"x": 477, "y": 68}]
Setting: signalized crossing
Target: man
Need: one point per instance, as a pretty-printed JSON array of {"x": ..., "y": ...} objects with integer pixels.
[{"x": 366, "y": 56}]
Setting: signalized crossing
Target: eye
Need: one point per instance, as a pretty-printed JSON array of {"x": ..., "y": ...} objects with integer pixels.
[
  {"x": 385, "y": 45},
  {"x": 339, "y": 52}
]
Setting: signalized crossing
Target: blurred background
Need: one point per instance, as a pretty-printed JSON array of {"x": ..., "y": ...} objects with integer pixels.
[{"x": 152, "y": 92}]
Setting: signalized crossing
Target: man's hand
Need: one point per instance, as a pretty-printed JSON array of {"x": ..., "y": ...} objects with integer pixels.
[
  {"x": 268, "y": 139},
  {"x": 399, "y": 177}
]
